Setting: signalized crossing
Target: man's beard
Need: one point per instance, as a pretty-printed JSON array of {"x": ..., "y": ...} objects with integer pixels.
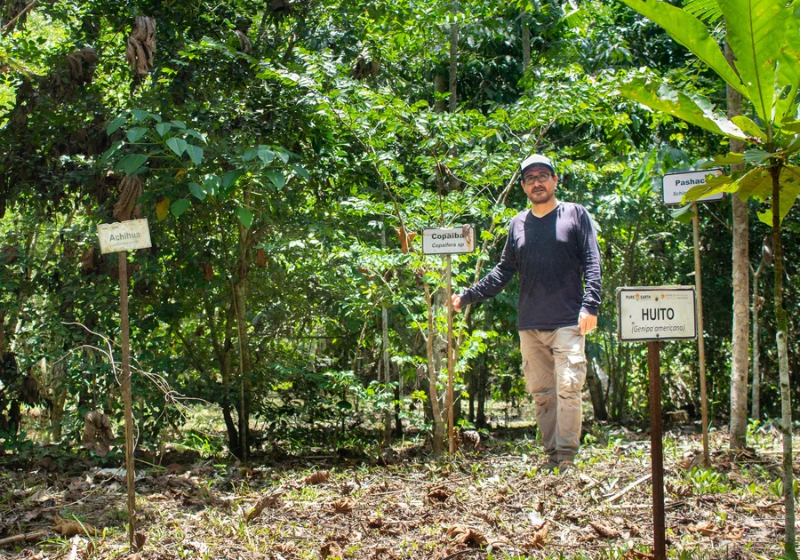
[{"x": 542, "y": 197}]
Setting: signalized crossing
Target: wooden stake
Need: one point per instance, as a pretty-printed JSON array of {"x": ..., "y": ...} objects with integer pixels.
[
  {"x": 450, "y": 427},
  {"x": 656, "y": 451},
  {"x": 701, "y": 347},
  {"x": 127, "y": 395}
]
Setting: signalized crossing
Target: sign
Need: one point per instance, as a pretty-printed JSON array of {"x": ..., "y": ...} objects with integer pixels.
[
  {"x": 676, "y": 185},
  {"x": 124, "y": 236},
  {"x": 656, "y": 313},
  {"x": 448, "y": 241}
]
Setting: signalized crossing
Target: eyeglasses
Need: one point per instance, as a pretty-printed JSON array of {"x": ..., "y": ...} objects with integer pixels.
[{"x": 541, "y": 177}]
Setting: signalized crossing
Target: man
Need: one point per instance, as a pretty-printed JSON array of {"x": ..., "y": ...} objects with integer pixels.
[{"x": 553, "y": 247}]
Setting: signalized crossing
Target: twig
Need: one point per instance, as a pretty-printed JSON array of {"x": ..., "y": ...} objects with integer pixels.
[
  {"x": 19, "y": 15},
  {"x": 23, "y": 537},
  {"x": 628, "y": 488}
]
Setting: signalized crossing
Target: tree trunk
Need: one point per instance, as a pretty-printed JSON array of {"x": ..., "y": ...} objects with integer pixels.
[
  {"x": 783, "y": 363},
  {"x": 433, "y": 369},
  {"x": 741, "y": 289},
  {"x": 596, "y": 392},
  {"x": 439, "y": 86},
  {"x": 757, "y": 303},
  {"x": 483, "y": 379},
  {"x": 245, "y": 364},
  {"x": 387, "y": 415}
]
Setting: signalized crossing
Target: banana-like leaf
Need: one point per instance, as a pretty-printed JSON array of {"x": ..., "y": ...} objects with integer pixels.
[
  {"x": 692, "y": 33},
  {"x": 684, "y": 214},
  {"x": 755, "y": 30},
  {"x": 789, "y": 68},
  {"x": 728, "y": 159},
  {"x": 790, "y": 190},
  {"x": 749, "y": 127},
  {"x": 696, "y": 110},
  {"x": 715, "y": 184}
]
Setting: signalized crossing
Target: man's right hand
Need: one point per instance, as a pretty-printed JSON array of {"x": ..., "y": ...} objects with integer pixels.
[{"x": 455, "y": 299}]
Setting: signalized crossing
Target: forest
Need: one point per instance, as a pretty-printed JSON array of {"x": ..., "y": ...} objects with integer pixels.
[{"x": 276, "y": 362}]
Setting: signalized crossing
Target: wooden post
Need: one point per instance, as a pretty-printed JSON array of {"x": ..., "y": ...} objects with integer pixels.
[
  {"x": 450, "y": 428},
  {"x": 701, "y": 348},
  {"x": 127, "y": 395},
  {"x": 656, "y": 452}
]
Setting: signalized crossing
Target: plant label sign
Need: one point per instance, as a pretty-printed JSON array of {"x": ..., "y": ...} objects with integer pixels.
[
  {"x": 124, "y": 236},
  {"x": 448, "y": 241},
  {"x": 676, "y": 185},
  {"x": 656, "y": 313}
]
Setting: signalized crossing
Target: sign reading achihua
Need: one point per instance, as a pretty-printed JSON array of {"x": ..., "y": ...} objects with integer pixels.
[
  {"x": 677, "y": 184},
  {"x": 124, "y": 236},
  {"x": 448, "y": 241},
  {"x": 656, "y": 313}
]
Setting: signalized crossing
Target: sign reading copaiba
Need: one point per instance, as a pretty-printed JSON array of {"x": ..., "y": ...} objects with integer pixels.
[
  {"x": 656, "y": 313},
  {"x": 676, "y": 185},
  {"x": 124, "y": 236},
  {"x": 448, "y": 241}
]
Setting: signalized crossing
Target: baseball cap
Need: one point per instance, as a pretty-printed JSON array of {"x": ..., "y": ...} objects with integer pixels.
[{"x": 537, "y": 159}]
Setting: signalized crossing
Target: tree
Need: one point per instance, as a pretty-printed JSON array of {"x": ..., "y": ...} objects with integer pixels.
[{"x": 764, "y": 37}]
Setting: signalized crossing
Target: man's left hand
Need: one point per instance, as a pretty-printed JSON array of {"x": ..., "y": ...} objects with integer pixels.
[{"x": 587, "y": 322}]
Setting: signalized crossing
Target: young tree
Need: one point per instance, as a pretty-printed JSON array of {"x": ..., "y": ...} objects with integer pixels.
[{"x": 764, "y": 37}]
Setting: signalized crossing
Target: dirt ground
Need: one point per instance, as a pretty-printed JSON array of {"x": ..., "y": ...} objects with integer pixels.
[{"x": 494, "y": 503}]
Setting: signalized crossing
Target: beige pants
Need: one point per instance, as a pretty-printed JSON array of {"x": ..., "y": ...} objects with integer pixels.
[{"x": 555, "y": 369}]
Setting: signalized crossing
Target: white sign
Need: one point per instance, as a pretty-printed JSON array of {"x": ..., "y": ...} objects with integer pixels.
[
  {"x": 656, "y": 313},
  {"x": 124, "y": 236},
  {"x": 447, "y": 241},
  {"x": 677, "y": 184}
]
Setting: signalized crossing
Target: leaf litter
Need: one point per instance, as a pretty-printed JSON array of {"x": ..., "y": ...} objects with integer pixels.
[{"x": 498, "y": 500}]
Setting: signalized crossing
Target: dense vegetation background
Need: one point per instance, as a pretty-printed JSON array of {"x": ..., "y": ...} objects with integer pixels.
[{"x": 285, "y": 152}]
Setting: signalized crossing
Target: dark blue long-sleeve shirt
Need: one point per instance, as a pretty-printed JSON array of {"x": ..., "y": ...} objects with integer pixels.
[{"x": 558, "y": 261}]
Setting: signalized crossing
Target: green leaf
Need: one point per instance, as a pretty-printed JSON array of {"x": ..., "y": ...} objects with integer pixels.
[
  {"x": 212, "y": 184},
  {"x": 730, "y": 159},
  {"x": 301, "y": 171},
  {"x": 789, "y": 191},
  {"x": 691, "y": 33},
  {"x": 177, "y": 145},
  {"x": 135, "y": 134},
  {"x": 132, "y": 162},
  {"x": 179, "y": 124},
  {"x": 179, "y": 207},
  {"x": 265, "y": 154},
  {"x": 114, "y": 125},
  {"x": 756, "y": 156},
  {"x": 195, "y": 152},
  {"x": 163, "y": 128},
  {"x": 696, "y": 110},
  {"x": 139, "y": 115},
  {"x": 756, "y": 183},
  {"x": 199, "y": 135},
  {"x": 197, "y": 190},
  {"x": 749, "y": 127},
  {"x": 755, "y": 30},
  {"x": 277, "y": 178},
  {"x": 715, "y": 184},
  {"x": 789, "y": 69},
  {"x": 245, "y": 216},
  {"x": 283, "y": 156},
  {"x": 684, "y": 214},
  {"x": 792, "y": 127},
  {"x": 707, "y": 10},
  {"x": 229, "y": 178}
]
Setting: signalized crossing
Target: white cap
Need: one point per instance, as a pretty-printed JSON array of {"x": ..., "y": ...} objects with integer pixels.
[{"x": 537, "y": 159}]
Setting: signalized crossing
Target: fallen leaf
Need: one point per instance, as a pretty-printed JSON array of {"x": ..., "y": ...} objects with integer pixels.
[
  {"x": 343, "y": 506},
  {"x": 175, "y": 468},
  {"x": 605, "y": 531},
  {"x": 706, "y": 528},
  {"x": 734, "y": 533},
  {"x": 69, "y": 528},
  {"x": 197, "y": 546},
  {"x": 285, "y": 547},
  {"x": 318, "y": 477},
  {"x": 263, "y": 503},
  {"x": 439, "y": 493},
  {"x": 462, "y": 534},
  {"x": 138, "y": 540},
  {"x": 375, "y": 522},
  {"x": 331, "y": 550},
  {"x": 538, "y": 539}
]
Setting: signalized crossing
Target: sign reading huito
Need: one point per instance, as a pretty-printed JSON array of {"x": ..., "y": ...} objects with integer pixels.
[
  {"x": 448, "y": 241},
  {"x": 656, "y": 313},
  {"x": 124, "y": 236},
  {"x": 677, "y": 184}
]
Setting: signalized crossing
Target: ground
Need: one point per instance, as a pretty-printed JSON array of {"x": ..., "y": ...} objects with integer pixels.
[{"x": 495, "y": 503}]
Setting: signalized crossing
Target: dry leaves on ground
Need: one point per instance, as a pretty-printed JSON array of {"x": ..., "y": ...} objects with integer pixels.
[
  {"x": 69, "y": 528},
  {"x": 319, "y": 477},
  {"x": 461, "y": 534}
]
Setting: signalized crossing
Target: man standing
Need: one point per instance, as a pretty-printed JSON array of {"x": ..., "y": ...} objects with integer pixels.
[{"x": 553, "y": 246}]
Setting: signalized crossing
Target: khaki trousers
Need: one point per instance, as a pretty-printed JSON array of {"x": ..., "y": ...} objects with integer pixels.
[{"x": 555, "y": 369}]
